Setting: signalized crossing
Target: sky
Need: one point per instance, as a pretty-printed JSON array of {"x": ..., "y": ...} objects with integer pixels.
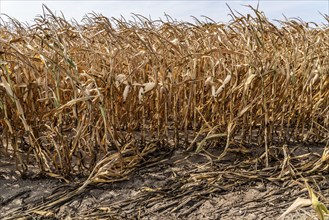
[{"x": 26, "y": 11}]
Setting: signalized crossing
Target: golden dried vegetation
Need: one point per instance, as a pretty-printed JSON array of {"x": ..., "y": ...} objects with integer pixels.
[
  {"x": 99, "y": 97},
  {"x": 104, "y": 96}
]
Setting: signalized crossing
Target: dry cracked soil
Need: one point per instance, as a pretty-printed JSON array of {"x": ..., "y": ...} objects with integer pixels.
[{"x": 173, "y": 188}]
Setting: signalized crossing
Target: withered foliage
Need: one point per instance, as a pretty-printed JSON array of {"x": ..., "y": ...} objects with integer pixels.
[{"x": 73, "y": 95}]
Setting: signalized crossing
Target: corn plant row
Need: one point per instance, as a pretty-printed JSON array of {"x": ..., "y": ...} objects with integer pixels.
[{"x": 72, "y": 92}]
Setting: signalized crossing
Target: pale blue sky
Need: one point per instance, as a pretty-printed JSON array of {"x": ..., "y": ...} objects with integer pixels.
[{"x": 180, "y": 10}]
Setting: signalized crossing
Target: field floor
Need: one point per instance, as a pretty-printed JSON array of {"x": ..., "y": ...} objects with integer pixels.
[{"x": 180, "y": 186}]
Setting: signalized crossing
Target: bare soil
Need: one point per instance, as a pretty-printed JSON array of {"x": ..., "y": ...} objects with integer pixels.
[{"x": 181, "y": 186}]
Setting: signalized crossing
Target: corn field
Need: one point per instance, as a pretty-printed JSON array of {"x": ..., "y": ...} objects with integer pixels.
[{"x": 98, "y": 97}]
